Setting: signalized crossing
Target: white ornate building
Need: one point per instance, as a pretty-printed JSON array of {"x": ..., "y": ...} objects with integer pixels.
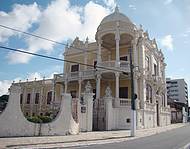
[{"x": 110, "y": 107}]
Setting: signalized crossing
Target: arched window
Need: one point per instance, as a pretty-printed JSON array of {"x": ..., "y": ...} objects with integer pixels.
[
  {"x": 49, "y": 97},
  {"x": 21, "y": 98},
  {"x": 148, "y": 93}
]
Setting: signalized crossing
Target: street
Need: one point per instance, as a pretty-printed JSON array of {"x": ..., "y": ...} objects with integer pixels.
[{"x": 173, "y": 139}]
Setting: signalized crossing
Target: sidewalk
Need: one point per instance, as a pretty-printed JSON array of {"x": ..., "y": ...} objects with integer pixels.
[{"x": 55, "y": 141}]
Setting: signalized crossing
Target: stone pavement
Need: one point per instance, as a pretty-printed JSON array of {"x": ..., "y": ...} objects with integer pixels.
[{"x": 74, "y": 140}]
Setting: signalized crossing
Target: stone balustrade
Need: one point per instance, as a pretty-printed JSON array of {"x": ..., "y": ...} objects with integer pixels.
[{"x": 122, "y": 102}]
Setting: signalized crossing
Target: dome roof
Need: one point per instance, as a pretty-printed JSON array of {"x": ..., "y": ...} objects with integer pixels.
[{"x": 116, "y": 16}]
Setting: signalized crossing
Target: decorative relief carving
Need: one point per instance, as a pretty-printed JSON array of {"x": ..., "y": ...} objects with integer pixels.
[{"x": 108, "y": 92}]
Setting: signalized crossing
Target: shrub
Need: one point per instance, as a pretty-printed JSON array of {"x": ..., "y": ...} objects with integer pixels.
[
  {"x": 34, "y": 119},
  {"x": 40, "y": 119}
]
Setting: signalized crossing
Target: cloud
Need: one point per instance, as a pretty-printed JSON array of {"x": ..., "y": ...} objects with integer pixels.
[
  {"x": 133, "y": 7},
  {"x": 4, "y": 85},
  {"x": 21, "y": 17},
  {"x": 33, "y": 76},
  {"x": 167, "y": 42},
  {"x": 110, "y": 3},
  {"x": 14, "y": 57},
  {"x": 166, "y": 2},
  {"x": 61, "y": 21}
]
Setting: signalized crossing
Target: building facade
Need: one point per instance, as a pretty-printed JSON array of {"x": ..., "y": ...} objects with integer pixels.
[{"x": 108, "y": 71}]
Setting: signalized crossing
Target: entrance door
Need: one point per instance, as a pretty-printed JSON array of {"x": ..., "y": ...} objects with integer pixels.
[{"x": 98, "y": 115}]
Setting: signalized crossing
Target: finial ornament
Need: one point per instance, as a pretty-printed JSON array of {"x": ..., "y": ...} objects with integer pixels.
[{"x": 117, "y": 9}]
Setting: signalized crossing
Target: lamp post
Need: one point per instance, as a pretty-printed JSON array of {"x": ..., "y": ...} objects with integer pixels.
[{"x": 133, "y": 97}]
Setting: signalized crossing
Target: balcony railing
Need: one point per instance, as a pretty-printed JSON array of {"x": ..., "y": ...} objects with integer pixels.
[
  {"x": 72, "y": 76},
  {"x": 121, "y": 65},
  {"x": 122, "y": 102}
]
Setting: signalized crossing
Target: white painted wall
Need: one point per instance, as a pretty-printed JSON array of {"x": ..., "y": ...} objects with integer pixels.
[{"x": 13, "y": 122}]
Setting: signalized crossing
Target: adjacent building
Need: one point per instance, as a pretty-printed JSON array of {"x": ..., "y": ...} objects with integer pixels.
[
  {"x": 177, "y": 94},
  {"x": 177, "y": 90},
  {"x": 116, "y": 37}
]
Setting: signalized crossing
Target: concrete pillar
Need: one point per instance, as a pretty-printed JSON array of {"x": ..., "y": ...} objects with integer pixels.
[
  {"x": 117, "y": 85},
  {"x": 109, "y": 113},
  {"x": 88, "y": 98}
]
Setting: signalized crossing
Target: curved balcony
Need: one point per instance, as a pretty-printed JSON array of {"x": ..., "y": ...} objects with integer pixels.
[{"x": 121, "y": 65}]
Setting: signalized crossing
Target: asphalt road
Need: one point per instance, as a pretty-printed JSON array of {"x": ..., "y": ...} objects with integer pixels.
[{"x": 173, "y": 139}]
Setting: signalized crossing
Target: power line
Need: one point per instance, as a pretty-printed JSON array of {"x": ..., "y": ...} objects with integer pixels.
[
  {"x": 58, "y": 59},
  {"x": 44, "y": 38}
]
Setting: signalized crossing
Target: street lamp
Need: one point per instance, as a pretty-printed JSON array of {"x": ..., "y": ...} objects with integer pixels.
[{"x": 133, "y": 97}]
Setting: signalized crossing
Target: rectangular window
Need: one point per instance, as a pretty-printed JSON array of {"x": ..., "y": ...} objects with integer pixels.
[
  {"x": 75, "y": 68},
  {"x": 21, "y": 98},
  {"x": 124, "y": 58},
  {"x": 73, "y": 94},
  {"x": 28, "y": 99},
  {"x": 49, "y": 97},
  {"x": 123, "y": 92},
  {"x": 37, "y": 97}
]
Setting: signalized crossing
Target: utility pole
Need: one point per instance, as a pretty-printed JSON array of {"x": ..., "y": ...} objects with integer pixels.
[{"x": 133, "y": 97}]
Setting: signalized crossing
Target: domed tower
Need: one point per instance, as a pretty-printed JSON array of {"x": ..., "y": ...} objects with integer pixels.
[{"x": 115, "y": 31}]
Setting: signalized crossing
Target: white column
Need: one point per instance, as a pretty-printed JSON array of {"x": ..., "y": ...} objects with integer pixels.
[
  {"x": 99, "y": 59},
  {"x": 98, "y": 84},
  {"x": 117, "y": 38},
  {"x": 85, "y": 53},
  {"x": 117, "y": 85},
  {"x": 80, "y": 83}
]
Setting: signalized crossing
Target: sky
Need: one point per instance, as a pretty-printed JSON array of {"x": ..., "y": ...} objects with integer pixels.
[{"x": 62, "y": 20}]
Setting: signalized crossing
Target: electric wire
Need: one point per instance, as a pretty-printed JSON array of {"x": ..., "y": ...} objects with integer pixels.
[{"x": 59, "y": 59}]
